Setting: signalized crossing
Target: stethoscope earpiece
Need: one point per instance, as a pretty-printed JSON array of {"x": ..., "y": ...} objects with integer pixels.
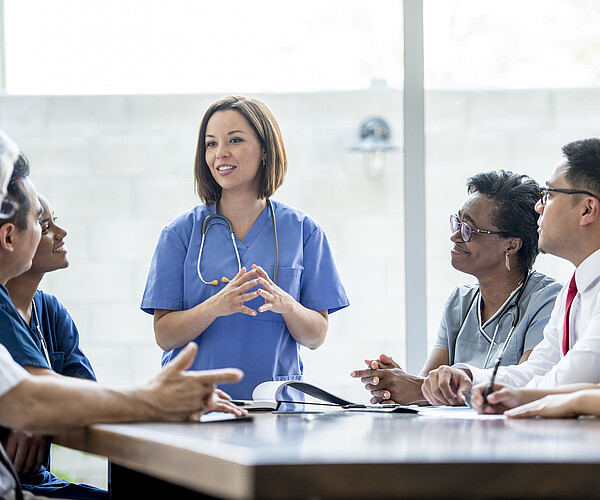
[{"x": 215, "y": 282}]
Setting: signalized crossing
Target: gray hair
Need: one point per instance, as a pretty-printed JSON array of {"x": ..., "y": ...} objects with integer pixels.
[{"x": 9, "y": 152}]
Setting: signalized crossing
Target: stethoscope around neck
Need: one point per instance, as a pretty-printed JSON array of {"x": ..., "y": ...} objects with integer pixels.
[
  {"x": 35, "y": 318},
  {"x": 506, "y": 311},
  {"x": 211, "y": 220}
]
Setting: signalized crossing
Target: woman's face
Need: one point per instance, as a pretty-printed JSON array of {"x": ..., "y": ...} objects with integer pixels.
[
  {"x": 233, "y": 152},
  {"x": 51, "y": 252},
  {"x": 484, "y": 253}
]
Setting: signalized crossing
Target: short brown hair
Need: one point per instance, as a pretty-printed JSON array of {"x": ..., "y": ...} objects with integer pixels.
[{"x": 267, "y": 130}]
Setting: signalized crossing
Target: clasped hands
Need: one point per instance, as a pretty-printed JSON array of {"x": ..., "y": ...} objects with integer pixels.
[
  {"x": 26, "y": 451},
  {"x": 446, "y": 385},
  {"x": 388, "y": 383},
  {"x": 238, "y": 291}
]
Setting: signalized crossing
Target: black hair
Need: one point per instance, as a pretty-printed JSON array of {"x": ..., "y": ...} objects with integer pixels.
[
  {"x": 16, "y": 193},
  {"x": 514, "y": 197},
  {"x": 583, "y": 167}
]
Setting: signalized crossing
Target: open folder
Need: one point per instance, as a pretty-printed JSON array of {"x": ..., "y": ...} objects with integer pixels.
[{"x": 266, "y": 396}]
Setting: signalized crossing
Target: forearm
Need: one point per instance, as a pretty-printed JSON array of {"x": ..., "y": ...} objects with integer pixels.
[
  {"x": 437, "y": 357},
  {"x": 307, "y": 327},
  {"x": 528, "y": 395},
  {"x": 587, "y": 402},
  {"x": 50, "y": 404},
  {"x": 410, "y": 392},
  {"x": 173, "y": 329}
]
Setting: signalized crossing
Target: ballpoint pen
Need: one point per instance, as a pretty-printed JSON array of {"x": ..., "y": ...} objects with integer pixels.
[{"x": 490, "y": 386}]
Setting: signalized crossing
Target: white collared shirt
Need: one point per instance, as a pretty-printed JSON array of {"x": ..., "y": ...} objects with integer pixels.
[
  {"x": 547, "y": 366},
  {"x": 11, "y": 375}
]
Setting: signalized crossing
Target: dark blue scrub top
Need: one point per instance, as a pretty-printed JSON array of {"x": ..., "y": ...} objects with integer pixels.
[{"x": 62, "y": 339}]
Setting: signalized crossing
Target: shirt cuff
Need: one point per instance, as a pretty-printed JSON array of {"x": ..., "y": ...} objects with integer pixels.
[{"x": 479, "y": 374}]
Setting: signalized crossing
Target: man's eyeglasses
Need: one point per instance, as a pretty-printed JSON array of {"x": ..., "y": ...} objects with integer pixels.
[
  {"x": 7, "y": 209},
  {"x": 466, "y": 231},
  {"x": 545, "y": 190}
]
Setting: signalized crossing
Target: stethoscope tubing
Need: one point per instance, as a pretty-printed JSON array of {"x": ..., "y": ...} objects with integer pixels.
[
  {"x": 40, "y": 335},
  {"x": 493, "y": 342},
  {"x": 206, "y": 226},
  {"x": 275, "y": 241},
  {"x": 507, "y": 310}
]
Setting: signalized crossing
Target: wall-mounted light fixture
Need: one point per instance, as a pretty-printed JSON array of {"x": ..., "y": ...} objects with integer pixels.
[{"x": 374, "y": 133}]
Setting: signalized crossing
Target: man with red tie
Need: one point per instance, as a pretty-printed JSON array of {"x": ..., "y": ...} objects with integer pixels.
[{"x": 569, "y": 227}]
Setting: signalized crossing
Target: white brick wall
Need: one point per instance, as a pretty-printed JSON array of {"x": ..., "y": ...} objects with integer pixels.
[{"x": 118, "y": 168}]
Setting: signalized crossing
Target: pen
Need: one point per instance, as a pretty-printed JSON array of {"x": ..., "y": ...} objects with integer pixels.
[{"x": 490, "y": 386}]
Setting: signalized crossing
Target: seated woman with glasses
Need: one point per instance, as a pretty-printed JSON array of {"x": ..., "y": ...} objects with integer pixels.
[{"x": 495, "y": 239}]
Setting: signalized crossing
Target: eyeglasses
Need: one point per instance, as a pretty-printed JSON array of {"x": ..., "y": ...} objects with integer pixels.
[
  {"x": 7, "y": 209},
  {"x": 545, "y": 190},
  {"x": 466, "y": 231}
]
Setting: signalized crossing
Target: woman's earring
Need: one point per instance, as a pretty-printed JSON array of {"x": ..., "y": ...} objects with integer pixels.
[
  {"x": 507, "y": 262},
  {"x": 264, "y": 163}
]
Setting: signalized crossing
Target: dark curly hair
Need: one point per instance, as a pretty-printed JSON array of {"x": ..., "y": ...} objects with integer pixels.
[{"x": 514, "y": 197}]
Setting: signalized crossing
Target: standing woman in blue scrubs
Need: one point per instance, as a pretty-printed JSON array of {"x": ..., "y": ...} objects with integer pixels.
[{"x": 222, "y": 292}]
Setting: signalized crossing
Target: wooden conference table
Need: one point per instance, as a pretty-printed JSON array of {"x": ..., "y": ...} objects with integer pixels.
[{"x": 449, "y": 453}]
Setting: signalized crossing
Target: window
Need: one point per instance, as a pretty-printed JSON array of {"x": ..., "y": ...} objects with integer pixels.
[{"x": 187, "y": 46}]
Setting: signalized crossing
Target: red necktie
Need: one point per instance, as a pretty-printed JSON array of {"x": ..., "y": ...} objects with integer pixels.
[{"x": 570, "y": 296}]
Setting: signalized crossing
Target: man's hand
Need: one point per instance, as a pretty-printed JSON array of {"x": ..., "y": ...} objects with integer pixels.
[
  {"x": 176, "y": 394},
  {"x": 447, "y": 386},
  {"x": 26, "y": 451},
  {"x": 502, "y": 398},
  {"x": 221, "y": 401}
]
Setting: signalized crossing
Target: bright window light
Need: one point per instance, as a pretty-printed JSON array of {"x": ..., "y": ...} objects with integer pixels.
[
  {"x": 191, "y": 46},
  {"x": 511, "y": 44}
]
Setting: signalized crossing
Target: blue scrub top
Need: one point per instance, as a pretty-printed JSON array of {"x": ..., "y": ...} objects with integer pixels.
[
  {"x": 16, "y": 336},
  {"x": 260, "y": 345},
  {"x": 59, "y": 331},
  {"x": 23, "y": 343}
]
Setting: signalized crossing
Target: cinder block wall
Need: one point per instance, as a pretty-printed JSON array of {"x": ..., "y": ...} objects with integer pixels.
[{"x": 118, "y": 168}]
